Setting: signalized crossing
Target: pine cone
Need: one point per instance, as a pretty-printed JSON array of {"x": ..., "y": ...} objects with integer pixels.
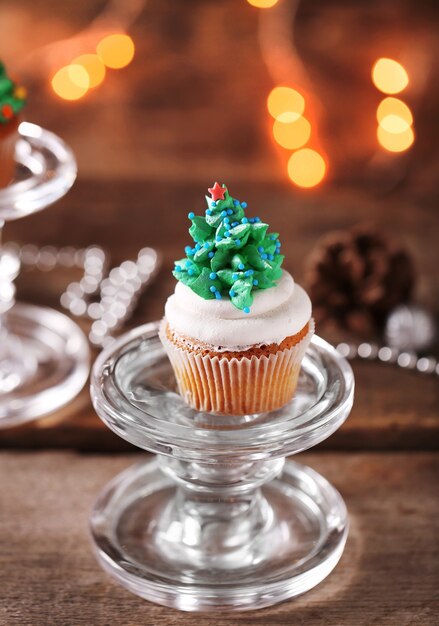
[{"x": 356, "y": 277}]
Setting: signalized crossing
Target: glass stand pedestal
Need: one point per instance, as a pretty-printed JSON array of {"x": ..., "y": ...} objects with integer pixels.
[
  {"x": 218, "y": 520},
  {"x": 44, "y": 356}
]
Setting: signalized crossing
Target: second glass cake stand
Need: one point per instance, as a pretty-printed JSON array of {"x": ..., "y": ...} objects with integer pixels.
[
  {"x": 44, "y": 355},
  {"x": 218, "y": 520}
]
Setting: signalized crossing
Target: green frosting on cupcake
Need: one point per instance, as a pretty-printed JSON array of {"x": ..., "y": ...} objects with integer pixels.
[
  {"x": 234, "y": 255},
  {"x": 12, "y": 97}
]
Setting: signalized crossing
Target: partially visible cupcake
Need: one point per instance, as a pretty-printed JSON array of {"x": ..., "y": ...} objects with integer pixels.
[
  {"x": 12, "y": 100},
  {"x": 237, "y": 326}
]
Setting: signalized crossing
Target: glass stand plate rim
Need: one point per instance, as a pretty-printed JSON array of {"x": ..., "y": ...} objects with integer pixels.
[{"x": 157, "y": 432}]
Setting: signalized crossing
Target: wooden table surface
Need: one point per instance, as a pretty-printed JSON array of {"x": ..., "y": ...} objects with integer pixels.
[{"x": 149, "y": 143}]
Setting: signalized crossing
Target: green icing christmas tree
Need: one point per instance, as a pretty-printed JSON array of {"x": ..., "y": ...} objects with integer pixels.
[
  {"x": 12, "y": 97},
  {"x": 233, "y": 256}
]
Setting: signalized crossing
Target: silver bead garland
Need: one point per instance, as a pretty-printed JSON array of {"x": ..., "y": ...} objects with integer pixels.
[{"x": 115, "y": 295}]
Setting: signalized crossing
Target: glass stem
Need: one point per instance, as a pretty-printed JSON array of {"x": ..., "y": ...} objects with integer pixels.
[{"x": 9, "y": 269}]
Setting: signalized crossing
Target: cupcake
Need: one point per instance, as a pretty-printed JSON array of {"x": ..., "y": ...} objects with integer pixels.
[
  {"x": 237, "y": 326},
  {"x": 12, "y": 100}
]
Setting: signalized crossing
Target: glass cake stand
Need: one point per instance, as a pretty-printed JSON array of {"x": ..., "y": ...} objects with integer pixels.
[
  {"x": 218, "y": 520},
  {"x": 44, "y": 356}
]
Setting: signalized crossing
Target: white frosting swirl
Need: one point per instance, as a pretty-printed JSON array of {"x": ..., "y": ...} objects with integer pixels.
[{"x": 276, "y": 313}]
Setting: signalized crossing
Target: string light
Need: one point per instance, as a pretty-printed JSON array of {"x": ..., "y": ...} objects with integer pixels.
[
  {"x": 285, "y": 104},
  {"x": 71, "y": 82},
  {"x": 389, "y": 76},
  {"x": 263, "y": 4},
  {"x": 292, "y": 135},
  {"x": 116, "y": 51},
  {"x": 306, "y": 168},
  {"x": 94, "y": 68},
  {"x": 395, "y": 142}
]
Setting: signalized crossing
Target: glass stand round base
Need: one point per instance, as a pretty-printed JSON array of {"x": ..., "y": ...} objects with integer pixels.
[
  {"x": 174, "y": 556},
  {"x": 218, "y": 520},
  {"x": 44, "y": 363}
]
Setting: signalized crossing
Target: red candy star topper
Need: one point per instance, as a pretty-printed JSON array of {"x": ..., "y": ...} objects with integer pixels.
[{"x": 217, "y": 192}]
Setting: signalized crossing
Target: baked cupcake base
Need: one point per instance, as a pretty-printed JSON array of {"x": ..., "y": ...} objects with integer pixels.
[
  {"x": 258, "y": 380},
  {"x": 8, "y": 139}
]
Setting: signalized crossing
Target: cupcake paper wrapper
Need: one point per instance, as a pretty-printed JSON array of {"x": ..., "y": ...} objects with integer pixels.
[{"x": 236, "y": 387}]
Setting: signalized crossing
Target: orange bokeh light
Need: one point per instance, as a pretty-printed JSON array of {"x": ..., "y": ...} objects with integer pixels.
[
  {"x": 94, "y": 68},
  {"x": 306, "y": 168},
  {"x": 285, "y": 104},
  {"x": 71, "y": 82},
  {"x": 292, "y": 135},
  {"x": 116, "y": 51},
  {"x": 389, "y": 76},
  {"x": 263, "y": 4},
  {"x": 395, "y": 142}
]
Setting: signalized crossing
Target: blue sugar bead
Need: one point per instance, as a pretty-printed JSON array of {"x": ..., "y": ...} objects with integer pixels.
[
  {"x": 223, "y": 213},
  {"x": 241, "y": 266},
  {"x": 244, "y": 220},
  {"x": 244, "y": 205},
  {"x": 235, "y": 276},
  {"x": 191, "y": 215},
  {"x": 190, "y": 272},
  {"x": 227, "y": 233},
  {"x": 212, "y": 275},
  {"x": 273, "y": 237},
  {"x": 207, "y": 245},
  {"x": 218, "y": 295},
  {"x": 264, "y": 256},
  {"x": 218, "y": 238},
  {"x": 188, "y": 264},
  {"x": 270, "y": 257},
  {"x": 235, "y": 224},
  {"x": 209, "y": 211},
  {"x": 211, "y": 255},
  {"x": 260, "y": 249},
  {"x": 229, "y": 211},
  {"x": 246, "y": 309},
  {"x": 249, "y": 272},
  {"x": 198, "y": 246},
  {"x": 256, "y": 282},
  {"x": 213, "y": 203},
  {"x": 232, "y": 293},
  {"x": 278, "y": 244},
  {"x": 213, "y": 289},
  {"x": 238, "y": 242},
  {"x": 226, "y": 220},
  {"x": 178, "y": 268},
  {"x": 236, "y": 202}
]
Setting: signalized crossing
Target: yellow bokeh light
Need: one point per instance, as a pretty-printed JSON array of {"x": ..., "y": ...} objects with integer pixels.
[
  {"x": 394, "y": 124},
  {"x": 292, "y": 135},
  {"x": 395, "y": 142},
  {"x": 306, "y": 168},
  {"x": 394, "y": 106},
  {"x": 263, "y": 4},
  {"x": 285, "y": 104},
  {"x": 116, "y": 51},
  {"x": 71, "y": 82},
  {"x": 93, "y": 66},
  {"x": 389, "y": 76}
]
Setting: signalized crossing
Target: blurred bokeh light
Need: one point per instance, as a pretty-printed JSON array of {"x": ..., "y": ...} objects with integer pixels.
[
  {"x": 306, "y": 168},
  {"x": 71, "y": 82},
  {"x": 285, "y": 104},
  {"x": 389, "y": 76},
  {"x": 94, "y": 68},
  {"x": 116, "y": 51},
  {"x": 292, "y": 135}
]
